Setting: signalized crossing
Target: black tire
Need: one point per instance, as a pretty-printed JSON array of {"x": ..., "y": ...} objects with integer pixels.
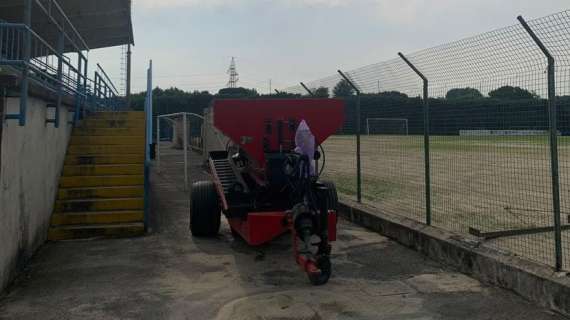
[
  {"x": 205, "y": 211},
  {"x": 332, "y": 197},
  {"x": 323, "y": 263}
]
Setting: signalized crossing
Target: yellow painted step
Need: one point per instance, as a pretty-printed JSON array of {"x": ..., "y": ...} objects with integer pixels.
[
  {"x": 101, "y": 181},
  {"x": 109, "y": 131},
  {"x": 97, "y": 217},
  {"x": 110, "y": 123},
  {"x": 100, "y": 192},
  {"x": 108, "y": 140},
  {"x": 130, "y": 115},
  {"x": 96, "y": 231},
  {"x": 82, "y": 205},
  {"x": 105, "y": 149},
  {"x": 74, "y": 159},
  {"x": 103, "y": 169}
]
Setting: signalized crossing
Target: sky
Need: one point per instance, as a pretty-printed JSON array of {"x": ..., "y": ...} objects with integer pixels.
[{"x": 191, "y": 42}]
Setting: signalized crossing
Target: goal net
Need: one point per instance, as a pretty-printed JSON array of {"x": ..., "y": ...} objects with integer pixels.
[{"x": 387, "y": 126}]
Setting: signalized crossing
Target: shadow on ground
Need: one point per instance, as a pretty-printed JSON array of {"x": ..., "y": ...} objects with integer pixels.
[{"x": 170, "y": 275}]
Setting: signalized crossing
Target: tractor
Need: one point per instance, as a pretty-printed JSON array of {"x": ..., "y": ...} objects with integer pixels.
[{"x": 266, "y": 177}]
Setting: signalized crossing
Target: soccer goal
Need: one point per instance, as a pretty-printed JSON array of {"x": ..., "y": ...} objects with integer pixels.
[{"x": 387, "y": 126}]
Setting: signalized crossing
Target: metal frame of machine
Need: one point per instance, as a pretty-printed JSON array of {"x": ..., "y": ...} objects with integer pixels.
[{"x": 264, "y": 185}]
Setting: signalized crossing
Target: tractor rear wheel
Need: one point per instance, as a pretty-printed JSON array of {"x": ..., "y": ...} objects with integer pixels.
[
  {"x": 205, "y": 211},
  {"x": 332, "y": 197}
]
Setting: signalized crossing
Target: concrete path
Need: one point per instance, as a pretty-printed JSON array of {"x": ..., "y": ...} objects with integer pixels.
[{"x": 170, "y": 275}]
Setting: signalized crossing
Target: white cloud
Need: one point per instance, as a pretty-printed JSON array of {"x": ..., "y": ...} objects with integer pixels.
[
  {"x": 389, "y": 11},
  {"x": 168, "y": 4}
]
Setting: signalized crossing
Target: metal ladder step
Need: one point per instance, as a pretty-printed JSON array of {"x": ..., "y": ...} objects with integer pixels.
[{"x": 225, "y": 173}]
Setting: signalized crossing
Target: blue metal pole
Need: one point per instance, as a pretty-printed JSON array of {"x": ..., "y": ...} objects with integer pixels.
[
  {"x": 24, "y": 87},
  {"x": 60, "y": 49},
  {"x": 148, "y": 113},
  {"x": 78, "y": 95}
]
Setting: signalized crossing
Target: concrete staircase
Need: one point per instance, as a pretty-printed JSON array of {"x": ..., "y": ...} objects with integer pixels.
[{"x": 101, "y": 191}]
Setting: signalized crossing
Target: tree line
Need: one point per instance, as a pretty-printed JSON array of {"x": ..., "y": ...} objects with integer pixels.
[{"x": 505, "y": 108}]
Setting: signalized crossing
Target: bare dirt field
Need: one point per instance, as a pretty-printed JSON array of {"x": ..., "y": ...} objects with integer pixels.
[{"x": 487, "y": 183}]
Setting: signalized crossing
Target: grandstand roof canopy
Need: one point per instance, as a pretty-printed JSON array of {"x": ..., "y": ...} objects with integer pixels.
[{"x": 89, "y": 24}]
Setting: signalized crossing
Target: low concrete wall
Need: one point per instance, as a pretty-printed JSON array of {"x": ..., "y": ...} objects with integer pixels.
[
  {"x": 535, "y": 282},
  {"x": 31, "y": 160}
]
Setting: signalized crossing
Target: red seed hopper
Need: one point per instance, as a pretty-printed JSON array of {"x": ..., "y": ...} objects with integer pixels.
[{"x": 266, "y": 181}]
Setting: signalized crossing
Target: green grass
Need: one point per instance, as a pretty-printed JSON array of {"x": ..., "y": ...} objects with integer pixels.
[
  {"x": 372, "y": 189},
  {"x": 457, "y": 143}
]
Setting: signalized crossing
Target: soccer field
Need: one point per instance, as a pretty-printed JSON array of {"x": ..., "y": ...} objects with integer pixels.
[{"x": 491, "y": 183}]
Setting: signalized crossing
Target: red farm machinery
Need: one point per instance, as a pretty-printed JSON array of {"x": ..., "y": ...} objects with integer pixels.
[{"x": 266, "y": 178}]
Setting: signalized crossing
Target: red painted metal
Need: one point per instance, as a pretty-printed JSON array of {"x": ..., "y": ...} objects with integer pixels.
[
  {"x": 245, "y": 121},
  {"x": 332, "y": 225},
  {"x": 260, "y": 227}
]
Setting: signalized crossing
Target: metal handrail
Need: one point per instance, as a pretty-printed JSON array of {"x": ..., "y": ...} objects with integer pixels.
[{"x": 44, "y": 65}]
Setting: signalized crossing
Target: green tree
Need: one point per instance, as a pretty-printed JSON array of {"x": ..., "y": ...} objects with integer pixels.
[
  {"x": 238, "y": 92},
  {"x": 343, "y": 89},
  {"x": 321, "y": 92},
  {"x": 393, "y": 94},
  {"x": 282, "y": 95},
  {"x": 463, "y": 93},
  {"x": 513, "y": 93}
]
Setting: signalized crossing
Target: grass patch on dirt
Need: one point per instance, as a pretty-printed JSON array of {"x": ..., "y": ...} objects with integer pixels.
[{"x": 372, "y": 189}]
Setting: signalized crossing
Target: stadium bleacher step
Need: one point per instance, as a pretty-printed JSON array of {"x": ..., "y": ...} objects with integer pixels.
[
  {"x": 105, "y": 149},
  {"x": 86, "y": 231},
  {"x": 108, "y": 140},
  {"x": 97, "y": 217},
  {"x": 90, "y": 131},
  {"x": 82, "y": 205},
  {"x": 135, "y": 158},
  {"x": 101, "y": 190},
  {"x": 122, "y": 115},
  {"x": 112, "y": 123},
  {"x": 102, "y": 169},
  {"x": 101, "y": 181}
]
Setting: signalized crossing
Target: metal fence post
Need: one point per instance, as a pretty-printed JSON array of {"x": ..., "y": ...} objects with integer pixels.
[
  {"x": 158, "y": 142},
  {"x": 426, "y": 136},
  {"x": 78, "y": 95},
  {"x": 552, "y": 116},
  {"x": 149, "y": 112},
  {"x": 148, "y": 146},
  {"x": 60, "y": 50},
  {"x": 307, "y": 89},
  {"x": 358, "y": 155},
  {"x": 128, "y": 84},
  {"x": 185, "y": 141}
]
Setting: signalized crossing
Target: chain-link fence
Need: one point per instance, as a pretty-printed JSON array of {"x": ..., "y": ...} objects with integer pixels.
[{"x": 493, "y": 160}]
